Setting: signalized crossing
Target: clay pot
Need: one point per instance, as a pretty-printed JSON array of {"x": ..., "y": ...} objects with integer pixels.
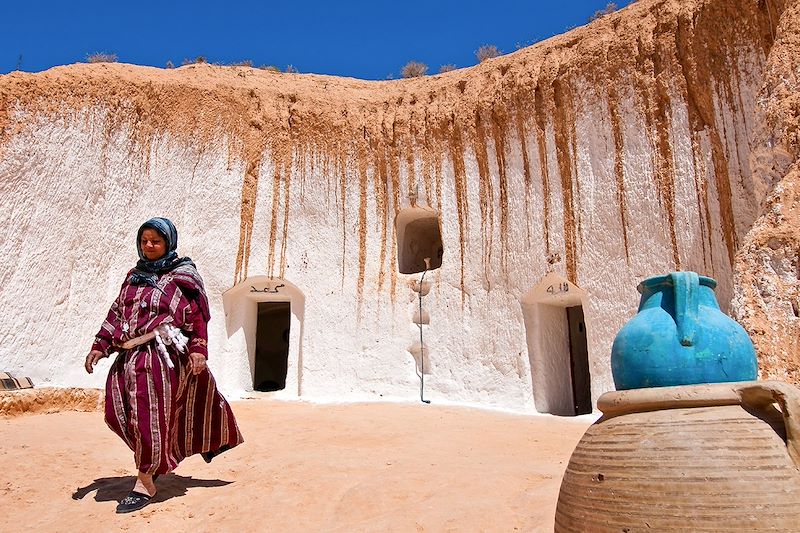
[
  {"x": 680, "y": 337},
  {"x": 721, "y": 457}
]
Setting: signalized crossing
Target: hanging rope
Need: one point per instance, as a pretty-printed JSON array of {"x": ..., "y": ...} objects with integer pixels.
[{"x": 421, "y": 372}]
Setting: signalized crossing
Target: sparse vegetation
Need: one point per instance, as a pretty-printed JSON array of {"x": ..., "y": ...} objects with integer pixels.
[
  {"x": 170, "y": 64},
  {"x": 198, "y": 59},
  {"x": 245, "y": 63},
  {"x": 600, "y": 13},
  {"x": 414, "y": 69},
  {"x": 447, "y": 68},
  {"x": 101, "y": 57},
  {"x": 524, "y": 44},
  {"x": 290, "y": 69},
  {"x": 271, "y": 68},
  {"x": 487, "y": 51}
]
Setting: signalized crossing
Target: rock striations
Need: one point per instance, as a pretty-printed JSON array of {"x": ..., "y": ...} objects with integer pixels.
[{"x": 767, "y": 267}]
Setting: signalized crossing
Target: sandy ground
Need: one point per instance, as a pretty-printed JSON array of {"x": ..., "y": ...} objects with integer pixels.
[{"x": 303, "y": 467}]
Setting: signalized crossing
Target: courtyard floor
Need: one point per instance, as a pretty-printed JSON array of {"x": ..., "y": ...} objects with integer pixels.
[{"x": 303, "y": 467}]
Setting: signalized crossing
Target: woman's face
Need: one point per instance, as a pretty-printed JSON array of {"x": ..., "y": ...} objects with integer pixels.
[{"x": 152, "y": 244}]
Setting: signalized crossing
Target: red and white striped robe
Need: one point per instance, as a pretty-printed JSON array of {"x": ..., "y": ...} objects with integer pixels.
[{"x": 164, "y": 414}]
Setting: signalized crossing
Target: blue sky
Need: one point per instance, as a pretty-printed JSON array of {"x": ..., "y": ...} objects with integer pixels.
[{"x": 369, "y": 40}]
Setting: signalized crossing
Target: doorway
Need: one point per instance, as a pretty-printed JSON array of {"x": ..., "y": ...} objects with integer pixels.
[
  {"x": 579, "y": 361},
  {"x": 557, "y": 338},
  {"x": 272, "y": 346}
]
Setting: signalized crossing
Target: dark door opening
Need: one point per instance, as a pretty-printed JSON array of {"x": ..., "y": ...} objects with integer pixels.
[
  {"x": 579, "y": 361},
  {"x": 272, "y": 346}
]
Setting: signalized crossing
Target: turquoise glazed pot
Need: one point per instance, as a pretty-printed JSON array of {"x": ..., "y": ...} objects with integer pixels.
[{"x": 680, "y": 337}]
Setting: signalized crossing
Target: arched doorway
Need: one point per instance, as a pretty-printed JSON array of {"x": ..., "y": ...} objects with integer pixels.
[
  {"x": 555, "y": 329},
  {"x": 266, "y": 315}
]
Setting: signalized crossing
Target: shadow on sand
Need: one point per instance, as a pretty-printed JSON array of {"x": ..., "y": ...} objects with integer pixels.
[{"x": 169, "y": 486}]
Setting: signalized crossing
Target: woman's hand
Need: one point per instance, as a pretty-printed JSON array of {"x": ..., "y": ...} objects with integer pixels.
[
  {"x": 197, "y": 363},
  {"x": 92, "y": 359}
]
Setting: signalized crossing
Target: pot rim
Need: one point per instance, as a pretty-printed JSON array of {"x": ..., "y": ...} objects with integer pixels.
[{"x": 655, "y": 281}]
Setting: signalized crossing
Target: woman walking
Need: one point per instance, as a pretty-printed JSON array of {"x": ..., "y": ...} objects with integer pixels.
[{"x": 161, "y": 399}]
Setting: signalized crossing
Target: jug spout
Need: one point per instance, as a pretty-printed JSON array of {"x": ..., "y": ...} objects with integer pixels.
[{"x": 686, "y": 288}]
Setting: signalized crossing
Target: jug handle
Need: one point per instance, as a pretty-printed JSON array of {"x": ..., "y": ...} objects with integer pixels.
[
  {"x": 686, "y": 286},
  {"x": 762, "y": 394}
]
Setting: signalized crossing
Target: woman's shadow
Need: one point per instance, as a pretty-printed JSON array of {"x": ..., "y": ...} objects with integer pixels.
[{"x": 169, "y": 486}]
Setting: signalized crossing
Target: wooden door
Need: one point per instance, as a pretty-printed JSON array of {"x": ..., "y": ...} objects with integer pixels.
[{"x": 579, "y": 361}]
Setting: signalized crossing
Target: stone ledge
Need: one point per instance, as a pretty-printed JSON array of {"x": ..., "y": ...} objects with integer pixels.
[{"x": 49, "y": 400}]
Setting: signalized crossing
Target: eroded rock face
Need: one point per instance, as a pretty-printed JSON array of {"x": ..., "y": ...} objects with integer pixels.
[
  {"x": 609, "y": 154},
  {"x": 767, "y": 284},
  {"x": 767, "y": 291}
]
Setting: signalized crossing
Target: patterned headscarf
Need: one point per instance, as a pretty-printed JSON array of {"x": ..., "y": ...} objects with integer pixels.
[{"x": 147, "y": 271}]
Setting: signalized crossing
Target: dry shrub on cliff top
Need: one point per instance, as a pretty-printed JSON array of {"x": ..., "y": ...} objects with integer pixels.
[
  {"x": 447, "y": 68},
  {"x": 198, "y": 59},
  {"x": 414, "y": 69},
  {"x": 600, "y": 13},
  {"x": 101, "y": 57},
  {"x": 487, "y": 51}
]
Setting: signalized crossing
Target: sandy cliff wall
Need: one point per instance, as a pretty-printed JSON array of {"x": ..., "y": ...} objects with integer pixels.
[
  {"x": 767, "y": 296},
  {"x": 609, "y": 154}
]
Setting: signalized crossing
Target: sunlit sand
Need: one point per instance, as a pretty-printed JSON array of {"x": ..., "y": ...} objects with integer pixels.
[{"x": 303, "y": 467}]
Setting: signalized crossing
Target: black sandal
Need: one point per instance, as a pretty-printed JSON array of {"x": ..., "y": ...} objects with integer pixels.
[
  {"x": 133, "y": 502},
  {"x": 208, "y": 456}
]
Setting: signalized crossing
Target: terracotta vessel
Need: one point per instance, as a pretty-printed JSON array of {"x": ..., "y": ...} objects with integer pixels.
[{"x": 719, "y": 457}]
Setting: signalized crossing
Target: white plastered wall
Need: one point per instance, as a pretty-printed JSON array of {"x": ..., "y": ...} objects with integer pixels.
[{"x": 75, "y": 198}]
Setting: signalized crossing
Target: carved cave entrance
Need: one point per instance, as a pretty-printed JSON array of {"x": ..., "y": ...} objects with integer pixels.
[
  {"x": 272, "y": 346},
  {"x": 418, "y": 237},
  {"x": 558, "y": 351},
  {"x": 264, "y": 320}
]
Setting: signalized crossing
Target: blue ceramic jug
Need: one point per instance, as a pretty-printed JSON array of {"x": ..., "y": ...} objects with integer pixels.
[{"x": 680, "y": 337}]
